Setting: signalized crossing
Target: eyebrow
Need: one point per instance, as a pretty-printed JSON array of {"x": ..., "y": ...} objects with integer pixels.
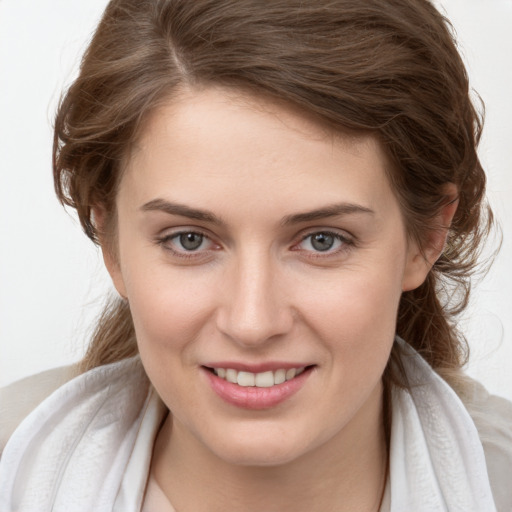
[
  {"x": 182, "y": 210},
  {"x": 333, "y": 210}
]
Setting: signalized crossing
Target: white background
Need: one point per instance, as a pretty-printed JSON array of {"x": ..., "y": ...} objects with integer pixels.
[{"x": 52, "y": 280}]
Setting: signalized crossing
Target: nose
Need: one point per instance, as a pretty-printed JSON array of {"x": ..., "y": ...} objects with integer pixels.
[{"x": 254, "y": 307}]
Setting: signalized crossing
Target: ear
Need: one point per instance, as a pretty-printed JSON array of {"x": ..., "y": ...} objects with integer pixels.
[
  {"x": 109, "y": 250},
  {"x": 421, "y": 259}
]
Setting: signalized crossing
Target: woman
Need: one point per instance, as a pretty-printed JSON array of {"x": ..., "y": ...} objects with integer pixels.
[{"x": 283, "y": 193}]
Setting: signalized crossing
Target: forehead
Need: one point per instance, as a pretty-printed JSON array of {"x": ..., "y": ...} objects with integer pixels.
[
  {"x": 203, "y": 109},
  {"x": 253, "y": 150}
]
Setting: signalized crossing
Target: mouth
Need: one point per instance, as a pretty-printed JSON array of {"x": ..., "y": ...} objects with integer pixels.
[
  {"x": 257, "y": 391},
  {"x": 266, "y": 379}
]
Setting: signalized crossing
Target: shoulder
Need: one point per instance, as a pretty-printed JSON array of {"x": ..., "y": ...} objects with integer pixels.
[
  {"x": 74, "y": 447},
  {"x": 20, "y": 398},
  {"x": 492, "y": 416}
]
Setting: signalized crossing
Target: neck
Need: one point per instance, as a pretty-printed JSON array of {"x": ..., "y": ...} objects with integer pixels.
[{"x": 347, "y": 473}]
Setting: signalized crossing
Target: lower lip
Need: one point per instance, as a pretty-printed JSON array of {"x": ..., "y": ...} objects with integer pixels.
[{"x": 254, "y": 398}]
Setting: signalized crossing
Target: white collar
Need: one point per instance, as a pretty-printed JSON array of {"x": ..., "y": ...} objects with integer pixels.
[{"x": 437, "y": 461}]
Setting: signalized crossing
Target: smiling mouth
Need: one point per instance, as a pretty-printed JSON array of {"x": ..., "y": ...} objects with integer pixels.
[
  {"x": 257, "y": 390},
  {"x": 266, "y": 379}
]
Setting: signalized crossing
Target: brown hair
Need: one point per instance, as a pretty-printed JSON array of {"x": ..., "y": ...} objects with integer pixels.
[{"x": 390, "y": 67}]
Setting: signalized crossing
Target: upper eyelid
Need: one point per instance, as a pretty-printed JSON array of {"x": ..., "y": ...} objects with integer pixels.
[
  {"x": 328, "y": 231},
  {"x": 341, "y": 233},
  {"x": 173, "y": 232},
  {"x": 170, "y": 235}
]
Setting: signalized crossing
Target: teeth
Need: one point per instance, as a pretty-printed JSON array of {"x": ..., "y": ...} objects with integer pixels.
[
  {"x": 290, "y": 373},
  {"x": 260, "y": 380},
  {"x": 264, "y": 380},
  {"x": 231, "y": 376},
  {"x": 245, "y": 379},
  {"x": 279, "y": 376}
]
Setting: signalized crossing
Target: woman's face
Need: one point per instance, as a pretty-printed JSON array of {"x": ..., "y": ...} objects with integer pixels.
[{"x": 254, "y": 245}]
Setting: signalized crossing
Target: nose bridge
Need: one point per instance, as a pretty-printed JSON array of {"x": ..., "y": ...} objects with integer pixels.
[{"x": 254, "y": 308}]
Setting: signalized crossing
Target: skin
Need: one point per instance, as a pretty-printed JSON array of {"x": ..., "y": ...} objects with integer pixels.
[{"x": 257, "y": 290}]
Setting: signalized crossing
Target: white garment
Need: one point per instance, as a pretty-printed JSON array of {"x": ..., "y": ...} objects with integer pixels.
[
  {"x": 85, "y": 448},
  {"x": 88, "y": 447},
  {"x": 437, "y": 461}
]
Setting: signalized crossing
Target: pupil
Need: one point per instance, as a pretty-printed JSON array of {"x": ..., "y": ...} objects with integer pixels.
[
  {"x": 191, "y": 241},
  {"x": 322, "y": 241}
]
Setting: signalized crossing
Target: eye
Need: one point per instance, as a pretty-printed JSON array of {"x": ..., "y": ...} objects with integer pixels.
[
  {"x": 190, "y": 241},
  {"x": 324, "y": 242},
  {"x": 186, "y": 243},
  {"x": 321, "y": 241}
]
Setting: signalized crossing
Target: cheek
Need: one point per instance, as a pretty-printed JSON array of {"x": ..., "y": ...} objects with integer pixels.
[
  {"x": 169, "y": 306},
  {"x": 166, "y": 313},
  {"x": 170, "y": 315},
  {"x": 356, "y": 325},
  {"x": 355, "y": 312}
]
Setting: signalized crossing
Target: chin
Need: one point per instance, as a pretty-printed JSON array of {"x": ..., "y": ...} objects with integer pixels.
[
  {"x": 259, "y": 455},
  {"x": 263, "y": 448}
]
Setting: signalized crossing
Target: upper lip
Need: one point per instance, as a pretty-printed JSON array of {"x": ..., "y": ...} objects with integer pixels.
[{"x": 256, "y": 367}]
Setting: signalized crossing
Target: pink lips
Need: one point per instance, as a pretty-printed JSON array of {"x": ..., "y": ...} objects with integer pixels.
[{"x": 256, "y": 398}]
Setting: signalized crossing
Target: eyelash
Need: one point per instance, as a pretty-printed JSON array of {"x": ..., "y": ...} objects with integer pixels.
[
  {"x": 345, "y": 241},
  {"x": 346, "y": 244},
  {"x": 164, "y": 241}
]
